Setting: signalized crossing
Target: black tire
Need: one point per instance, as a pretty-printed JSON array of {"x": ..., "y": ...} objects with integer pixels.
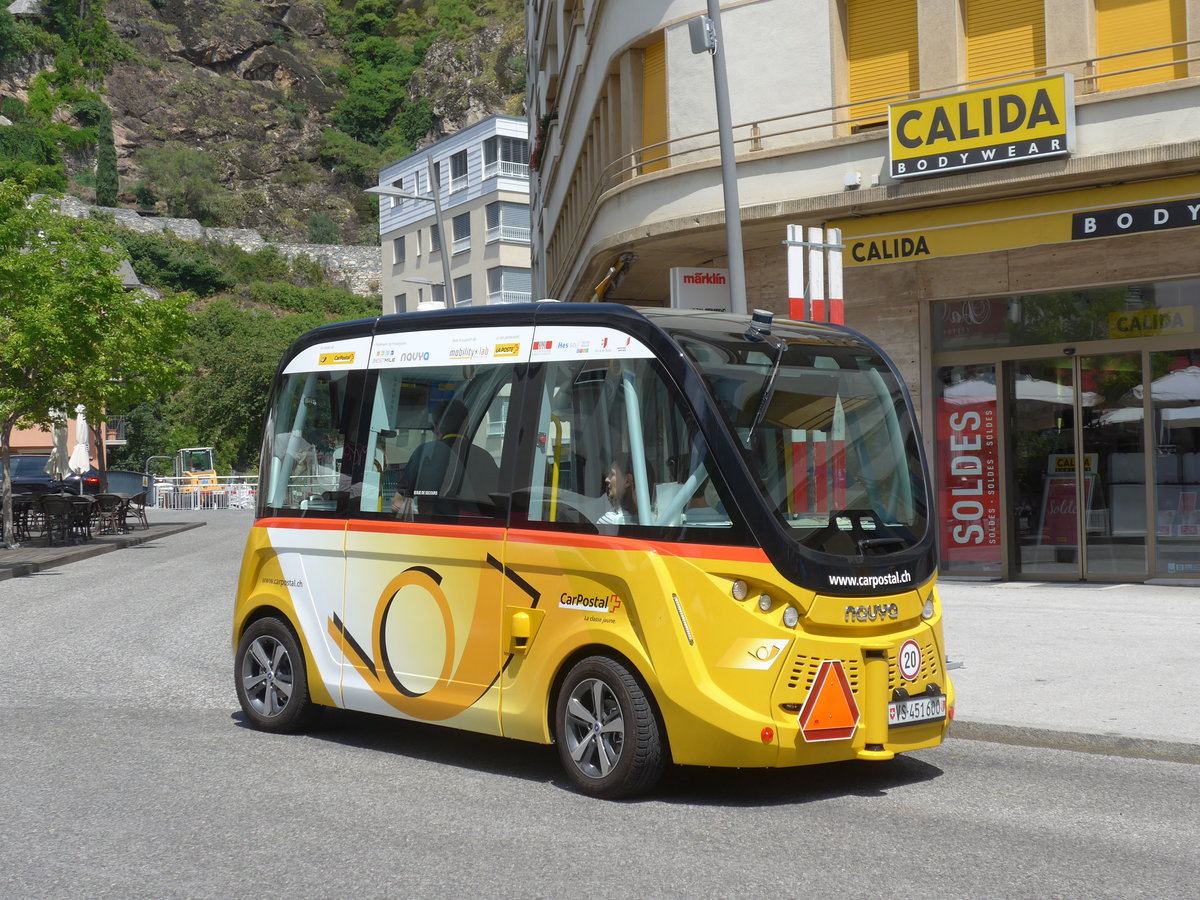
[
  {"x": 271, "y": 678},
  {"x": 608, "y": 734}
]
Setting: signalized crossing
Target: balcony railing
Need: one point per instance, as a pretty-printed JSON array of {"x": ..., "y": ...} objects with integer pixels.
[
  {"x": 505, "y": 168},
  {"x": 495, "y": 297},
  {"x": 458, "y": 183},
  {"x": 461, "y": 245},
  {"x": 513, "y": 234}
]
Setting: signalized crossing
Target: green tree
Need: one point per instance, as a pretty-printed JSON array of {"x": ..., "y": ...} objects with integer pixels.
[
  {"x": 13, "y": 44},
  {"x": 322, "y": 229},
  {"x": 187, "y": 180},
  {"x": 69, "y": 332}
]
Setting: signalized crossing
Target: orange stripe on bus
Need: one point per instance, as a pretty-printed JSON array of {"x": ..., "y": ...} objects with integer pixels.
[{"x": 545, "y": 538}]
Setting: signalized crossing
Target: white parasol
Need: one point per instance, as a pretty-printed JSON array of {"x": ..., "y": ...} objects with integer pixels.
[
  {"x": 1178, "y": 388},
  {"x": 56, "y": 465},
  {"x": 81, "y": 456},
  {"x": 976, "y": 390},
  {"x": 1177, "y": 417}
]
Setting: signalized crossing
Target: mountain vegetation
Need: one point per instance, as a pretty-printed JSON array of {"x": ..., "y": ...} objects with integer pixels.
[{"x": 254, "y": 113}]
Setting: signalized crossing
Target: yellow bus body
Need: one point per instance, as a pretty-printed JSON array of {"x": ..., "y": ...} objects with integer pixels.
[{"x": 492, "y": 619}]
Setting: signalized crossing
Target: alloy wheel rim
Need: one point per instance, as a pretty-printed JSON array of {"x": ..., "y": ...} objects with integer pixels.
[
  {"x": 595, "y": 728},
  {"x": 267, "y": 676}
]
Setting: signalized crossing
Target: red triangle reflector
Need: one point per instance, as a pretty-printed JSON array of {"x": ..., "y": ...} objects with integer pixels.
[{"x": 830, "y": 713}]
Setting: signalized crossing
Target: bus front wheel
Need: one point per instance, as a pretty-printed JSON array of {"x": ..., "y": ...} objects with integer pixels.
[
  {"x": 272, "y": 683},
  {"x": 607, "y": 731}
]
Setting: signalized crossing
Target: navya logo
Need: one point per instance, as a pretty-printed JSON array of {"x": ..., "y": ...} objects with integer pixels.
[
  {"x": 611, "y": 603},
  {"x": 414, "y": 356},
  {"x": 878, "y": 612}
]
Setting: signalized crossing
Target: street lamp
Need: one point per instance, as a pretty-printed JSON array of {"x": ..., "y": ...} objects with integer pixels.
[
  {"x": 435, "y": 197},
  {"x": 429, "y": 281},
  {"x": 707, "y": 37}
]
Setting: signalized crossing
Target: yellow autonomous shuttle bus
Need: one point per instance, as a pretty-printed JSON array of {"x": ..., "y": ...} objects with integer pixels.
[{"x": 645, "y": 536}]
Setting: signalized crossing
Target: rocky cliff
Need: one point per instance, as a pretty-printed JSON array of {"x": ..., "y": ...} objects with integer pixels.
[{"x": 256, "y": 85}]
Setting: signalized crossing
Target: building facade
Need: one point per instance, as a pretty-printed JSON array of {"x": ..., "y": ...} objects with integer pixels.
[
  {"x": 482, "y": 178},
  {"x": 1017, "y": 185}
]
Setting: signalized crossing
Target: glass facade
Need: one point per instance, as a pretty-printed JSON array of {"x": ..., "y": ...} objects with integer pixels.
[{"x": 1073, "y": 468}]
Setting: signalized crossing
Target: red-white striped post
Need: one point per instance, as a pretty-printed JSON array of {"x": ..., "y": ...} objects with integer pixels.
[{"x": 809, "y": 262}]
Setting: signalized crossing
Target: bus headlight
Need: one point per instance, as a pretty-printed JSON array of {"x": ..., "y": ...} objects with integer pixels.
[
  {"x": 740, "y": 590},
  {"x": 791, "y": 616},
  {"x": 927, "y": 609},
  {"x": 765, "y": 602}
]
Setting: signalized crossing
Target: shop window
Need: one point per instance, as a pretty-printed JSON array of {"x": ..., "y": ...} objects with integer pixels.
[
  {"x": 967, "y": 466},
  {"x": 1175, "y": 407}
]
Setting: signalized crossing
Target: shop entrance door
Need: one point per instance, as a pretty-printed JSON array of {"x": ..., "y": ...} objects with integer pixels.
[{"x": 1076, "y": 454}]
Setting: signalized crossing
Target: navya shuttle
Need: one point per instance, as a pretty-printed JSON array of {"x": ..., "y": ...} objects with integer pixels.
[{"x": 645, "y": 536}]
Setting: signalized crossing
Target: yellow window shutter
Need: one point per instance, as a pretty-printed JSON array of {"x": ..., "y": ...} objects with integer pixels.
[
  {"x": 1125, "y": 25},
  {"x": 654, "y": 106},
  {"x": 1005, "y": 38},
  {"x": 881, "y": 51}
]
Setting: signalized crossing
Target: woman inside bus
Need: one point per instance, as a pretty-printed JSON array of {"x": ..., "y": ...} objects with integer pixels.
[{"x": 619, "y": 489}]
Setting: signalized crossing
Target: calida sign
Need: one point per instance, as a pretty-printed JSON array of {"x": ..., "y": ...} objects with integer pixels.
[{"x": 993, "y": 126}]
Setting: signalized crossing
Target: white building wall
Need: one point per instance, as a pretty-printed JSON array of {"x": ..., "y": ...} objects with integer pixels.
[{"x": 412, "y": 218}]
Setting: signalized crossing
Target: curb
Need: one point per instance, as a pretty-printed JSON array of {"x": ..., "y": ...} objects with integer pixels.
[
  {"x": 87, "y": 551},
  {"x": 1104, "y": 744}
]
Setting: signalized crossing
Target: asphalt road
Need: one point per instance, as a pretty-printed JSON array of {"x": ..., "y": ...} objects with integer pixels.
[{"x": 125, "y": 771}]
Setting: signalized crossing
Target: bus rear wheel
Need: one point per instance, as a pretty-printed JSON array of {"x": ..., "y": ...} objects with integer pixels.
[
  {"x": 608, "y": 734},
  {"x": 272, "y": 682}
]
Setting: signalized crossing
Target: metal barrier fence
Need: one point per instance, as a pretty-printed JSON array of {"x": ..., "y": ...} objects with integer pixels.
[{"x": 206, "y": 492}]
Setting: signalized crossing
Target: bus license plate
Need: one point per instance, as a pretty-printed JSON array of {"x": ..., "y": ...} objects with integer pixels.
[{"x": 915, "y": 710}]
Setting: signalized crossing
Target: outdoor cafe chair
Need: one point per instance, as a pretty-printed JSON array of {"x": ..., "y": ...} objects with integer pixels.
[
  {"x": 135, "y": 508},
  {"x": 56, "y": 517},
  {"x": 108, "y": 513}
]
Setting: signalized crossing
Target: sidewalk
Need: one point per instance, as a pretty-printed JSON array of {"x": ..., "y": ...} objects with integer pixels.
[
  {"x": 1108, "y": 668},
  {"x": 37, "y": 555}
]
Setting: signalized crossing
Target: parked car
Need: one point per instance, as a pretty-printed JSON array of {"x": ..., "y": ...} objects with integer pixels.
[{"x": 29, "y": 474}]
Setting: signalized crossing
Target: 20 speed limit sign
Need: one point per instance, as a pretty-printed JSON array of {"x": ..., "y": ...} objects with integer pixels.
[{"x": 909, "y": 660}]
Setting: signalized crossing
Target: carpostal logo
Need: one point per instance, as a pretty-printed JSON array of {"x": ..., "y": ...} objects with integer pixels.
[
  {"x": 337, "y": 358},
  {"x": 611, "y": 603}
]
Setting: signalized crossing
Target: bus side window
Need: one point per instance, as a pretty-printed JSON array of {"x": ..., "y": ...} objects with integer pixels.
[
  {"x": 311, "y": 463},
  {"x": 615, "y": 450},
  {"x": 439, "y": 434}
]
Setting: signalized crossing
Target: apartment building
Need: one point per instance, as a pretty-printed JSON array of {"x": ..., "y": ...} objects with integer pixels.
[
  {"x": 481, "y": 175},
  {"x": 1017, "y": 187}
]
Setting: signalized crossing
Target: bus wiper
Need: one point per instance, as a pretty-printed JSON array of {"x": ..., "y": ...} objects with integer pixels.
[{"x": 760, "y": 330}]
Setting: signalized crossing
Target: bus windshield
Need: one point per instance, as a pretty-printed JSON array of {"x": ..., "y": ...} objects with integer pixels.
[{"x": 825, "y": 430}]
